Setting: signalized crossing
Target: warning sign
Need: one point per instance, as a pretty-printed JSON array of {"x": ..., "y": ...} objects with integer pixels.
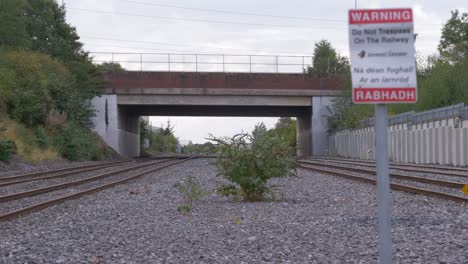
[{"x": 382, "y": 56}]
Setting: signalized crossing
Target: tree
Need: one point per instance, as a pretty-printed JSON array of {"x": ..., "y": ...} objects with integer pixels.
[
  {"x": 286, "y": 129},
  {"x": 109, "y": 67},
  {"x": 33, "y": 84},
  {"x": 453, "y": 44},
  {"x": 13, "y": 29},
  {"x": 327, "y": 61},
  {"x": 40, "y": 26},
  {"x": 164, "y": 139}
]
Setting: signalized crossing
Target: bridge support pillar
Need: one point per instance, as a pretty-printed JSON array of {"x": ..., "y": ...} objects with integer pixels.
[
  {"x": 304, "y": 134},
  {"x": 117, "y": 127},
  {"x": 320, "y": 114}
]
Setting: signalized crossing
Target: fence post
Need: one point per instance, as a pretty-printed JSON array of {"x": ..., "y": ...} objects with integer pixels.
[
  {"x": 169, "y": 62},
  {"x": 196, "y": 62},
  {"x": 250, "y": 63},
  {"x": 223, "y": 64},
  {"x": 303, "y": 66},
  {"x": 276, "y": 64},
  {"x": 113, "y": 64},
  {"x": 141, "y": 62}
]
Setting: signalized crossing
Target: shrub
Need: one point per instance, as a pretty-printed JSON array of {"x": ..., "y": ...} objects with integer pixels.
[
  {"x": 55, "y": 120},
  {"x": 77, "y": 143},
  {"x": 7, "y": 148},
  {"x": 190, "y": 191},
  {"x": 41, "y": 137},
  {"x": 250, "y": 160}
]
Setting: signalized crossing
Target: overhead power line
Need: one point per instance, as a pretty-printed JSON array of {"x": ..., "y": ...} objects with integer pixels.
[
  {"x": 200, "y": 20},
  {"x": 194, "y": 46},
  {"x": 233, "y": 12},
  {"x": 207, "y": 21}
]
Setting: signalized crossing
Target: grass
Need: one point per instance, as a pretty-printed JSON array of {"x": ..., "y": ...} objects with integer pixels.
[{"x": 24, "y": 140}]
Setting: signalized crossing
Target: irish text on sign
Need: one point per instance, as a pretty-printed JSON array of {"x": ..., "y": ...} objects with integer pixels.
[{"x": 382, "y": 56}]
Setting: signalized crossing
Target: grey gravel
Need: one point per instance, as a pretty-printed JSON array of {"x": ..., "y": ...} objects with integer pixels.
[{"x": 322, "y": 219}]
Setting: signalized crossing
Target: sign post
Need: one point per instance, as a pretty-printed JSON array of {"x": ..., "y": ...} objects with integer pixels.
[{"x": 383, "y": 68}]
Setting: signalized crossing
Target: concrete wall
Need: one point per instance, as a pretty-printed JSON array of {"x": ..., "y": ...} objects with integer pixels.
[
  {"x": 304, "y": 134},
  {"x": 439, "y": 145},
  {"x": 122, "y": 130},
  {"x": 108, "y": 132},
  {"x": 320, "y": 116}
]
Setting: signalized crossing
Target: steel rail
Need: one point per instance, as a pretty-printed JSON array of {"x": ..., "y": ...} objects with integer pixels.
[
  {"x": 398, "y": 164},
  {"x": 61, "y": 175},
  {"x": 435, "y": 170},
  {"x": 393, "y": 175},
  {"x": 59, "y": 170},
  {"x": 58, "y": 200},
  {"x": 60, "y": 186},
  {"x": 394, "y": 186}
]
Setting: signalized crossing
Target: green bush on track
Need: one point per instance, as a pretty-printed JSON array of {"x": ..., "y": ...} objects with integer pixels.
[{"x": 250, "y": 160}]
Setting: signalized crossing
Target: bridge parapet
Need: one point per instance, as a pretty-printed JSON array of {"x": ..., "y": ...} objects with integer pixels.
[{"x": 128, "y": 80}]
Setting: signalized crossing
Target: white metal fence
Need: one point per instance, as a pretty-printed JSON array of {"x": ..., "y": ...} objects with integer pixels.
[{"x": 439, "y": 140}]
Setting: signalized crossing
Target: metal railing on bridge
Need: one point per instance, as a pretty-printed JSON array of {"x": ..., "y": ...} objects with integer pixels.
[{"x": 177, "y": 62}]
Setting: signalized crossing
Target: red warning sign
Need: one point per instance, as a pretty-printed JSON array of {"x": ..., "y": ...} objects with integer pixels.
[{"x": 382, "y": 56}]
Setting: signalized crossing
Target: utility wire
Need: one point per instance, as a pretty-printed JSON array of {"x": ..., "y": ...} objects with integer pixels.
[
  {"x": 232, "y": 12},
  {"x": 200, "y": 20},
  {"x": 207, "y": 21},
  {"x": 188, "y": 45},
  {"x": 248, "y": 14}
]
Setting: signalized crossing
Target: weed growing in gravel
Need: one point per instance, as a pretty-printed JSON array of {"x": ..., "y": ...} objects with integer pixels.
[
  {"x": 250, "y": 160},
  {"x": 191, "y": 191}
]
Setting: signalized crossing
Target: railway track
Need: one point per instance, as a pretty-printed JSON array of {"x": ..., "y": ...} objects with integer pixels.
[
  {"x": 63, "y": 170},
  {"x": 38, "y": 198},
  {"x": 450, "y": 189},
  {"x": 444, "y": 170}
]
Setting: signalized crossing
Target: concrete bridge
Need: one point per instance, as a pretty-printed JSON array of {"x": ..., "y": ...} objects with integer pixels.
[{"x": 128, "y": 95}]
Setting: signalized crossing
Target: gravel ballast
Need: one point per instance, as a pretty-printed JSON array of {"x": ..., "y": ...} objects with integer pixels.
[{"x": 322, "y": 219}]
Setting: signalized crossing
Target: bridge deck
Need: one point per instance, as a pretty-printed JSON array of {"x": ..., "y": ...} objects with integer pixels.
[{"x": 126, "y": 81}]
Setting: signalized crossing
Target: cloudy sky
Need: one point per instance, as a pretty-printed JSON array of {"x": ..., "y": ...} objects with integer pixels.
[{"x": 265, "y": 27}]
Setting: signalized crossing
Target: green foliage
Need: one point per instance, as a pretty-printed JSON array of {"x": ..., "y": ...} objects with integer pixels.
[
  {"x": 109, "y": 67},
  {"x": 163, "y": 140},
  {"x": 454, "y": 41},
  {"x": 229, "y": 190},
  {"x": 41, "y": 137},
  {"x": 46, "y": 79},
  {"x": 32, "y": 85},
  {"x": 144, "y": 135},
  {"x": 250, "y": 160},
  {"x": 78, "y": 143},
  {"x": 191, "y": 191},
  {"x": 39, "y": 26},
  {"x": 285, "y": 128},
  {"x": 7, "y": 148},
  {"x": 327, "y": 61},
  {"x": 13, "y": 29}
]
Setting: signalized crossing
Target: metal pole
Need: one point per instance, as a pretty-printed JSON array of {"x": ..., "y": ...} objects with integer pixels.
[
  {"x": 169, "y": 62},
  {"x": 223, "y": 63},
  {"x": 250, "y": 63},
  {"x": 276, "y": 64},
  {"x": 383, "y": 184},
  {"x": 141, "y": 62},
  {"x": 303, "y": 64},
  {"x": 113, "y": 65},
  {"x": 196, "y": 62},
  {"x": 355, "y": 4}
]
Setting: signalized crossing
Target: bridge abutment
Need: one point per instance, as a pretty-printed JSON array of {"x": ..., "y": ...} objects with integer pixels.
[
  {"x": 304, "y": 134},
  {"x": 117, "y": 127}
]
